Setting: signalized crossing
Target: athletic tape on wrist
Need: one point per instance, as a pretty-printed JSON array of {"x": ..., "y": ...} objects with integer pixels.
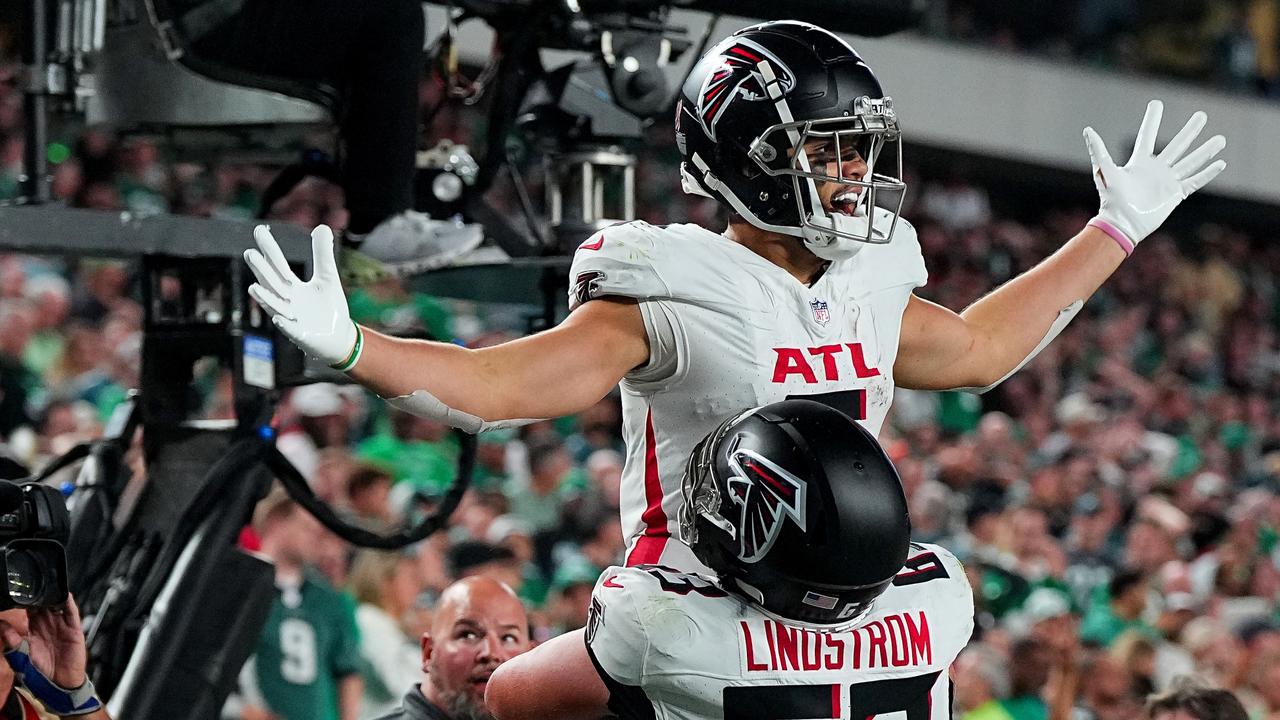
[
  {"x": 424, "y": 404},
  {"x": 61, "y": 701}
]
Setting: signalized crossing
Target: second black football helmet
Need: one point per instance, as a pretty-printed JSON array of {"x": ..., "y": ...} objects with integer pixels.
[{"x": 798, "y": 510}]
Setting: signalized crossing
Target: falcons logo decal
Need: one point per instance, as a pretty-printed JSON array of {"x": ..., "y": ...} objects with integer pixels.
[
  {"x": 738, "y": 76},
  {"x": 766, "y": 492}
]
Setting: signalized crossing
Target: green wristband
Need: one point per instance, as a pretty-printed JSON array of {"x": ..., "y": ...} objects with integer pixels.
[{"x": 354, "y": 356}]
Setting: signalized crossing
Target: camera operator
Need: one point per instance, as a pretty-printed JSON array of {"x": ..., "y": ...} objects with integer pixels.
[{"x": 44, "y": 676}]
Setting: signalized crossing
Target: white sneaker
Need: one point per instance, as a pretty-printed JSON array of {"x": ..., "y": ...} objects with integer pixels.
[{"x": 413, "y": 242}]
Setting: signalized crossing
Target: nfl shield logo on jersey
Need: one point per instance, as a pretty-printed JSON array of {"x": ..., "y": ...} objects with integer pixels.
[{"x": 820, "y": 311}]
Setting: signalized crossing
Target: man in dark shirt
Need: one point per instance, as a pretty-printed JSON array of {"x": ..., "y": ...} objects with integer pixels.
[{"x": 479, "y": 624}]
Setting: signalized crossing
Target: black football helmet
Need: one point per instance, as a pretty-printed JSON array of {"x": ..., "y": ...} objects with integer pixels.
[
  {"x": 798, "y": 510},
  {"x": 762, "y": 114}
]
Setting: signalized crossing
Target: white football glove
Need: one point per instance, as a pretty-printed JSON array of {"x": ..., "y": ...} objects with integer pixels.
[
  {"x": 313, "y": 314},
  {"x": 1137, "y": 198}
]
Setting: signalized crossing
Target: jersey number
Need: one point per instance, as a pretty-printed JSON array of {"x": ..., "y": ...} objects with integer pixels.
[
  {"x": 921, "y": 568},
  {"x": 850, "y": 402},
  {"x": 909, "y": 696},
  {"x": 674, "y": 581},
  {"x": 297, "y": 651}
]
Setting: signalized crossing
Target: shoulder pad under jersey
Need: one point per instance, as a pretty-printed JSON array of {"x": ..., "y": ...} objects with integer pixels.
[
  {"x": 646, "y": 262},
  {"x": 934, "y": 576},
  {"x": 642, "y": 614},
  {"x": 620, "y": 261},
  {"x": 615, "y": 634},
  {"x": 898, "y": 262}
]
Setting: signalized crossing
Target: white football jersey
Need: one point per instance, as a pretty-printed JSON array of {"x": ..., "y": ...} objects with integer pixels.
[
  {"x": 675, "y": 645},
  {"x": 729, "y": 330}
]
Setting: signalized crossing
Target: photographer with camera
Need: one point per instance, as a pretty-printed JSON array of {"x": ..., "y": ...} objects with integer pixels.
[{"x": 44, "y": 673}]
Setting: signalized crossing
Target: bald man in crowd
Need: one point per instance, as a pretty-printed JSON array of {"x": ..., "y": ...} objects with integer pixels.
[{"x": 479, "y": 624}]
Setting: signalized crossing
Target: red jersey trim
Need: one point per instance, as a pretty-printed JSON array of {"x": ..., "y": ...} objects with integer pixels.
[{"x": 649, "y": 546}]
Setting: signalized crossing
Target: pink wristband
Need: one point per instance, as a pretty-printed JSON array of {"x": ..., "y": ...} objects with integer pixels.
[{"x": 1115, "y": 234}]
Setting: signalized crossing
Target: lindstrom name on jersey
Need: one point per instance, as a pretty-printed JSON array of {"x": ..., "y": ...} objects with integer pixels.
[
  {"x": 729, "y": 330},
  {"x": 676, "y": 645}
]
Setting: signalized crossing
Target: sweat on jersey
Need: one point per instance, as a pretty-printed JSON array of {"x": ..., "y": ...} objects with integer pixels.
[
  {"x": 728, "y": 330},
  {"x": 675, "y": 645}
]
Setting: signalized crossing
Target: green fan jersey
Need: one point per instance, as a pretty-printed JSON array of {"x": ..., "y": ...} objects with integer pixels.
[{"x": 310, "y": 641}]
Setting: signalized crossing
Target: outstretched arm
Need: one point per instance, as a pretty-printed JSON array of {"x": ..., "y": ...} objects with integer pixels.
[
  {"x": 941, "y": 349},
  {"x": 992, "y": 338},
  {"x": 556, "y": 372},
  {"x": 554, "y": 680}
]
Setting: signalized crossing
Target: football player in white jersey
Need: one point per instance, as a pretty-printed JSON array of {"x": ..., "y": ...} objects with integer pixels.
[
  {"x": 820, "y": 605},
  {"x": 807, "y": 292}
]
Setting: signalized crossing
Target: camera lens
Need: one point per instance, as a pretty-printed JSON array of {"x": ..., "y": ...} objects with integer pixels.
[{"x": 24, "y": 577}]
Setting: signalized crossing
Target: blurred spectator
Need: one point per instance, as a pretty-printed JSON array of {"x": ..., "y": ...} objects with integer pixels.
[
  {"x": 102, "y": 286},
  {"x": 1106, "y": 689},
  {"x": 597, "y": 429},
  {"x": 50, "y": 302},
  {"x": 981, "y": 681},
  {"x": 479, "y": 559},
  {"x": 1088, "y": 542},
  {"x": 319, "y": 420},
  {"x": 414, "y": 450},
  {"x": 1030, "y": 664},
  {"x": 386, "y": 586},
  {"x": 1048, "y": 619},
  {"x": 307, "y": 661},
  {"x": 369, "y": 496},
  {"x": 570, "y": 596},
  {"x": 1188, "y": 700},
  {"x": 17, "y": 381},
  {"x": 491, "y": 458},
  {"x": 1122, "y": 609},
  {"x": 956, "y": 204},
  {"x": 538, "y": 502},
  {"x": 1136, "y": 653}
]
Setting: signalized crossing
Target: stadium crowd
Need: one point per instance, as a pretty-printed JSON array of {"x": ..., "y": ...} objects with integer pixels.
[
  {"x": 1115, "y": 502},
  {"x": 1232, "y": 44}
]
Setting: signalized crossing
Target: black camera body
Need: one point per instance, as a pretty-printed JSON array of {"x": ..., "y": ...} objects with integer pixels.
[{"x": 34, "y": 527}]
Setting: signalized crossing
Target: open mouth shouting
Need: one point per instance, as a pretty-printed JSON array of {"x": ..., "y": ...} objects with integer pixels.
[{"x": 848, "y": 202}]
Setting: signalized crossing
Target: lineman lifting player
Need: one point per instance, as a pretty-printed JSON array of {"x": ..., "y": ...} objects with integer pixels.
[{"x": 819, "y": 606}]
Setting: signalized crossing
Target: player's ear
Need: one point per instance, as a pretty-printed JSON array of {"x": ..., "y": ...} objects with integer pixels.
[{"x": 427, "y": 647}]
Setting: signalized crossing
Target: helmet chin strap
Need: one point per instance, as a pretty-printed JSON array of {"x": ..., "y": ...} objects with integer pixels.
[
  {"x": 832, "y": 246},
  {"x": 714, "y": 184}
]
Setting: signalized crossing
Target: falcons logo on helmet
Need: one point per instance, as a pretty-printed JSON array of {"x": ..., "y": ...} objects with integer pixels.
[
  {"x": 738, "y": 76},
  {"x": 766, "y": 493}
]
